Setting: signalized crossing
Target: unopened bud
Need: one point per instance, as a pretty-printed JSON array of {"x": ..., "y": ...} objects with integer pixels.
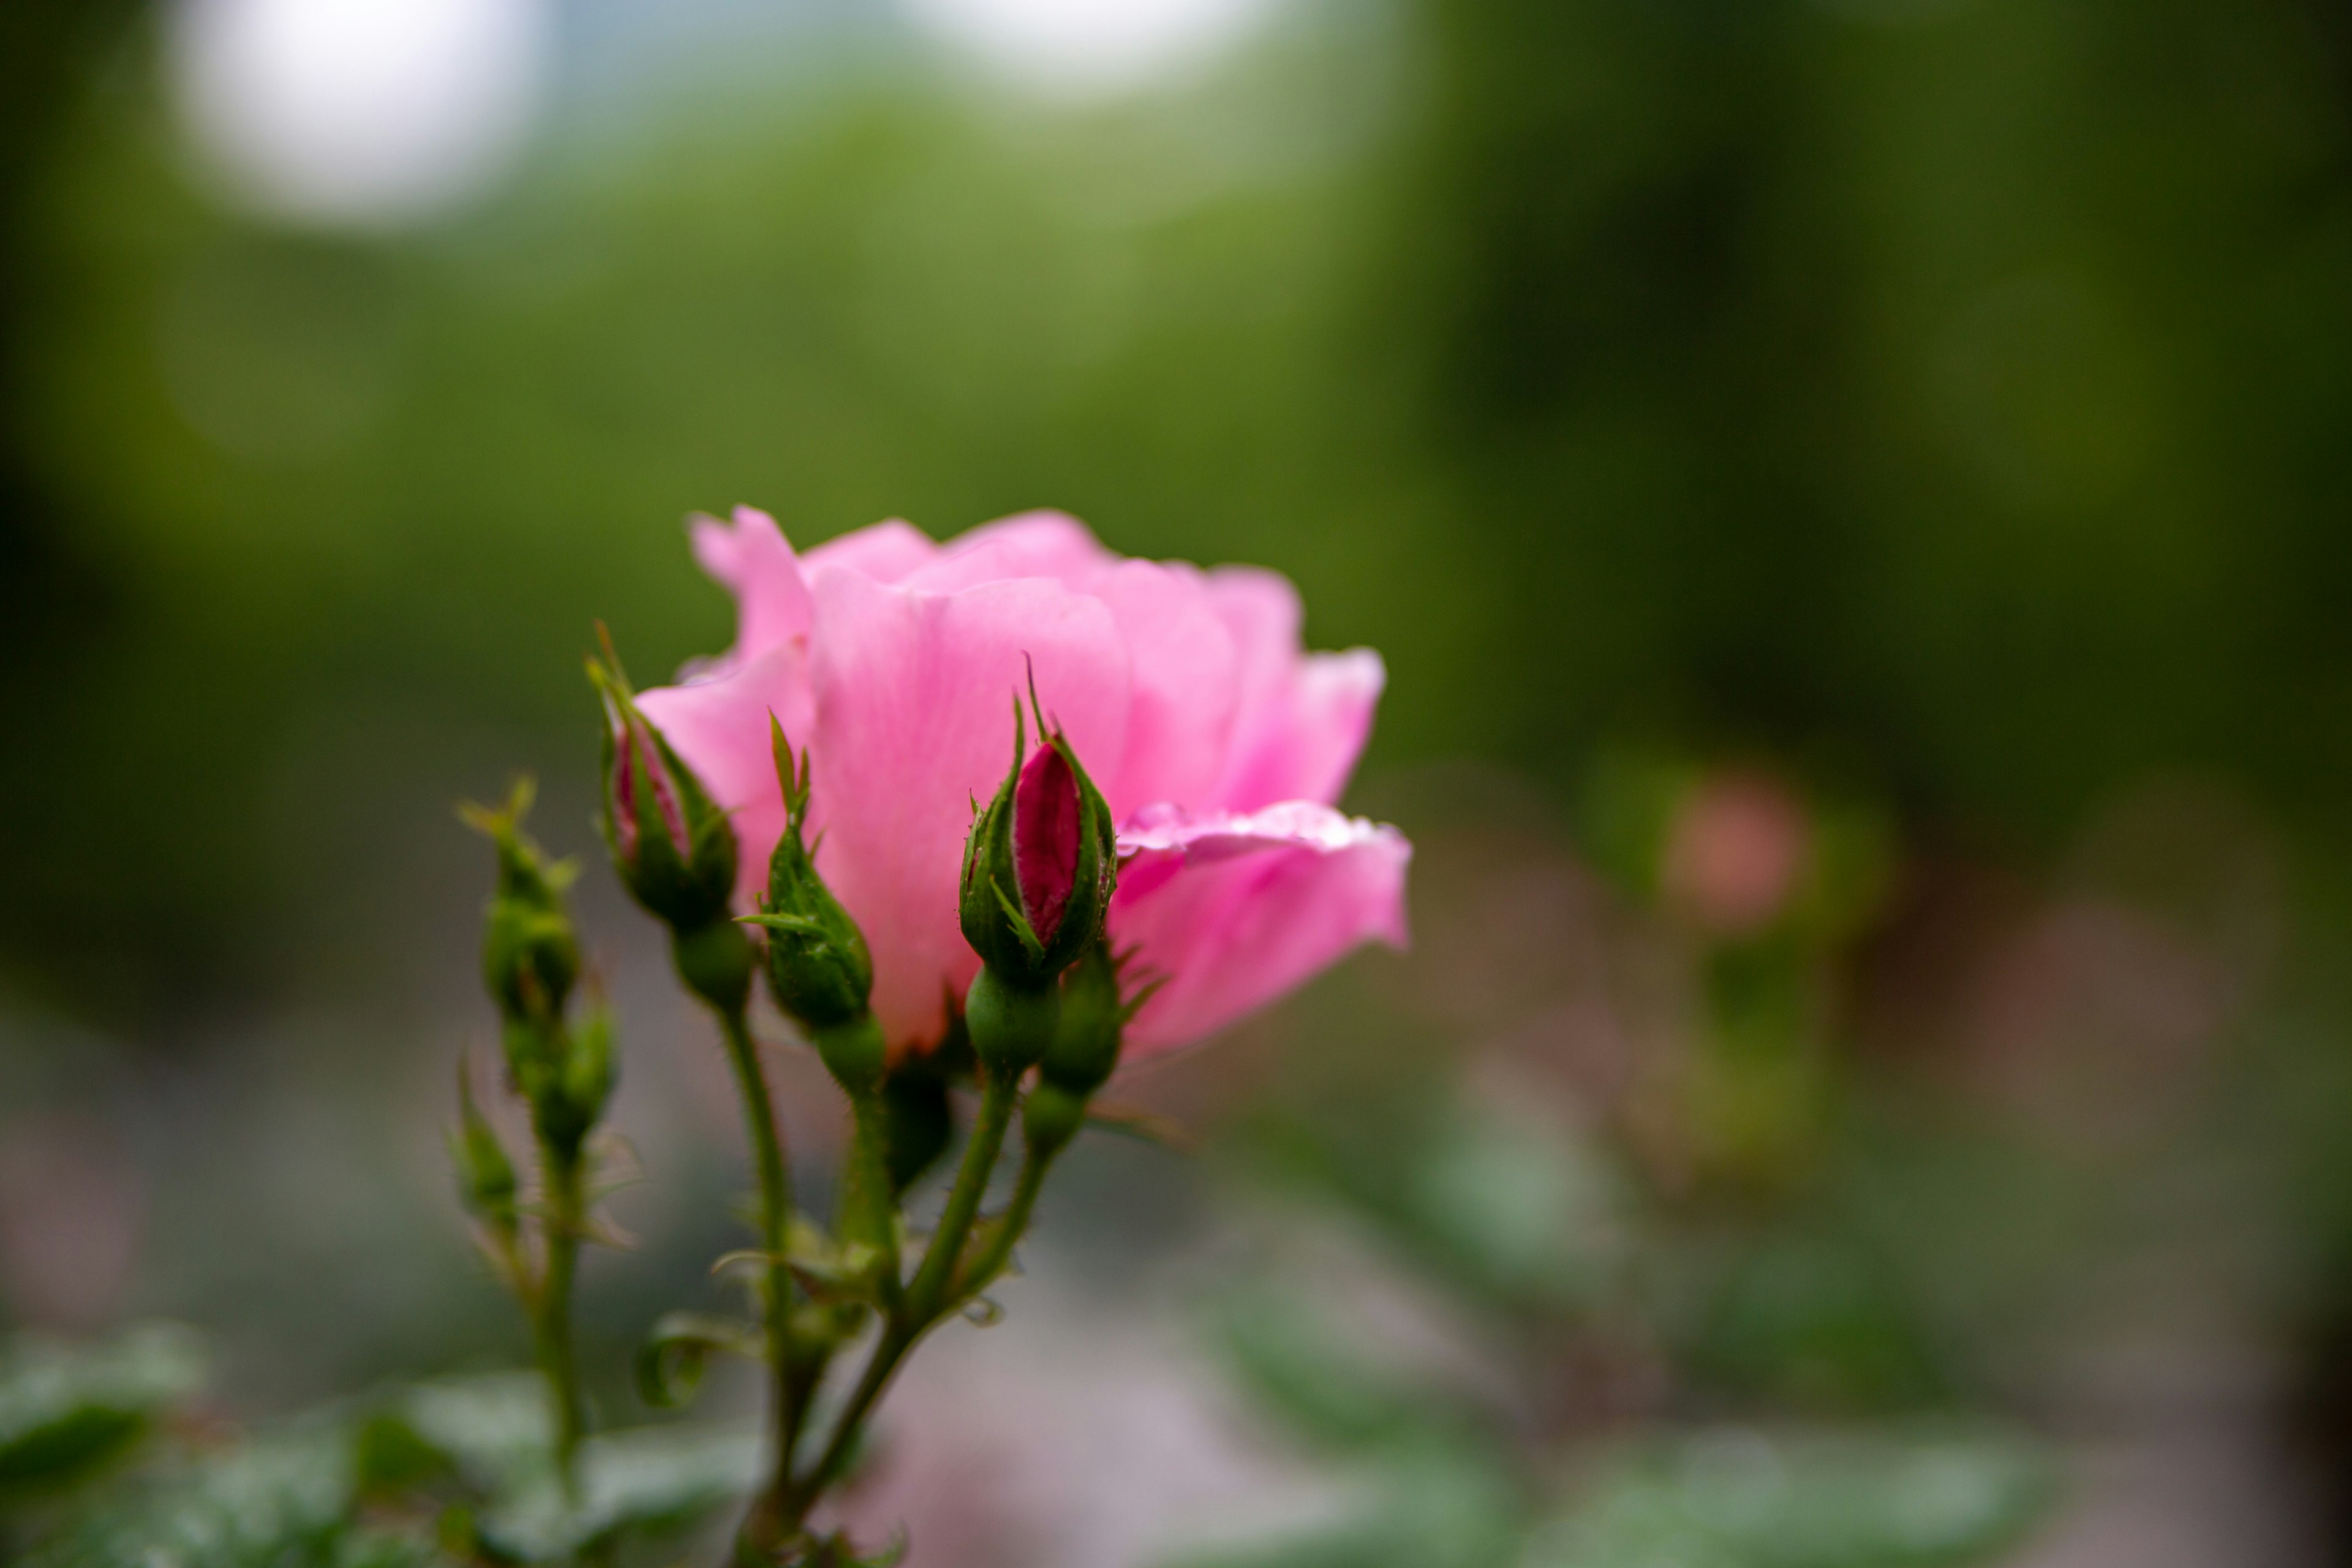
[
  {"x": 529, "y": 956},
  {"x": 1094, "y": 1014},
  {"x": 671, "y": 843},
  {"x": 1051, "y": 1117},
  {"x": 1039, "y": 865},
  {"x": 1012, "y": 1026},
  {"x": 568, "y": 1099},
  {"x": 818, "y": 966}
]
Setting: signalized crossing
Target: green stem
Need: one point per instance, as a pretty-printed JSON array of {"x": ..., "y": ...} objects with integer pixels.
[
  {"x": 925, "y": 1301},
  {"x": 795, "y": 1383},
  {"x": 552, "y": 1312},
  {"x": 868, "y": 1212},
  {"x": 928, "y": 1296},
  {"x": 1006, "y": 1229}
]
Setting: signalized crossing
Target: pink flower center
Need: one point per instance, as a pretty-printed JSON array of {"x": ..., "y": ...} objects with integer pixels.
[{"x": 1046, "y": 808}]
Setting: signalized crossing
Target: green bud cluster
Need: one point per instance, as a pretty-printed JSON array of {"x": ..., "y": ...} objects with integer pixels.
[
  {"x": 563, "y": 1069},
  {"x": 530, "y": 962}
]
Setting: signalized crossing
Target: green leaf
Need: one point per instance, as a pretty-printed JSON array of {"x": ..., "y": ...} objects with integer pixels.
[
  {"x": 651, "y": 1477},
  {"x": 283, "y": 1501},
  {"x": 1432, "y": 1505},
  {"x": 496, "y": 1429},
  {"x": 1301, "y": 1372},
  {"x": 1744, "y": 1499},
  {"x": 64, "y": 1412}
]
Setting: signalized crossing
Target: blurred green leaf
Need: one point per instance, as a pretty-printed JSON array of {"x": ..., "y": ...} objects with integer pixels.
[
  {"x": 655, "y": 1478},
  {"x": 64, "y": 1412},
  {"x": 284, "y": 1501},
  {"x": 496, "y": 1428},
  {"x": 1745, "y": 1499},
  {"x": 1290, "y": 1359},
  {"x": 1521, "y": 1210},
  {"x": 1433, "y": 1505},
  {"x": 1815, "y": 1318}
]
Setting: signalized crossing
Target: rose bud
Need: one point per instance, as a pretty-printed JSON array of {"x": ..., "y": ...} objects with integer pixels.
[
  {"x": 1084, "y": 1052},
  {"x": 574, "y": 1101},
  {"x": 673, "y": 848},
  {"x": 1038, "y": 870},
  {"x": 818, "y": 966},
  {"x": 530, "y": 956}
]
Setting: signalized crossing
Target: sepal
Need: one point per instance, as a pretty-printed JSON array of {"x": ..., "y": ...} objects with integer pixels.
[
  {"x": 487, "y": 1184},
  {"x": 818, "y": 965}
]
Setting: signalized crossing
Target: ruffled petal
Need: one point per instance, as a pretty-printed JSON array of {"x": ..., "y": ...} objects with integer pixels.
[
  {"x": 1305, "y": 746},
  {"x": 1301, "y": 719},
  {"x": 888, "y": 552},
  {"x": 751, "y": 560},
  {"x": 1235, "y": 910},
  {"x": 914, "y": 695},
  {"x": 1031, "y": 544}
]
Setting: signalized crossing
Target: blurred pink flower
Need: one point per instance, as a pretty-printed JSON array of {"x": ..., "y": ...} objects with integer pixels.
[
  {"x": 1734, "y": 851},
  {"x": 1218, "y": 742}
]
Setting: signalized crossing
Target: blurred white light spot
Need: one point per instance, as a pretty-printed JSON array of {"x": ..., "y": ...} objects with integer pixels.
[
  {"x": 1090, "y": 45},
  {"x": 359, "y": 112}
]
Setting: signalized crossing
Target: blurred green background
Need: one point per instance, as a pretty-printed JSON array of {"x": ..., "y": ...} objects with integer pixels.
[{"x": 1940, "y": 408}]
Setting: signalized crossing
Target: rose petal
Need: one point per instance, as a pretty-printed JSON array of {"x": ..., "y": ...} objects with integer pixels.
[
  {"x": 1032, "y": 544},
  {"x": 1236, "y": 909},
  {"x": 1186, "y": 685},
  {"x": 914, "y": 696},
  {"x": 886, "y": 551},
  {"x": 751, "y": 560}
]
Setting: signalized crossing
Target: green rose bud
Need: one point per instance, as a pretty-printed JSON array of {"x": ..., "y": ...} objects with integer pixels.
[
  {"x": 529, "y": 956},
  {"x": 1039, "y": 865},
  {"x": 1085, "y": 1043},
  {"x": 818, "y": 966},
  {"x": 671, "y": 843}
]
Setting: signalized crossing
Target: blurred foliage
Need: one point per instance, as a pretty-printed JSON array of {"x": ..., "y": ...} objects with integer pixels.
[
  {"x": 65, "y": 1413},
  {"x": 416, "y": 1477},
  {"x": 1941, "y": 395}
]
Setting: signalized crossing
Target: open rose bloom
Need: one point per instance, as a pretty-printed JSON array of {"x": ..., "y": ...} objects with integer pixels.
[{"x": 1218, "y": 743}]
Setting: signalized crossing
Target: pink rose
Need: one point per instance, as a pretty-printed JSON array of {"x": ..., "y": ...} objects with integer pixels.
[{"x": 1218, "y": 743}]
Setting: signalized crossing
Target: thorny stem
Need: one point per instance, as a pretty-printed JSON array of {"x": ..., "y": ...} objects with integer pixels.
[
  {"x": 924, "y": 1301},
  {"x": 989, "y": 1261},
  {"x": 794, "y": 1383},
  {"x": 552, "y": 1308}
]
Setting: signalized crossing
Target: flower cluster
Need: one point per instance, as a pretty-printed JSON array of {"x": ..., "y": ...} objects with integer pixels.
[{"x": 834, "y": 803}]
